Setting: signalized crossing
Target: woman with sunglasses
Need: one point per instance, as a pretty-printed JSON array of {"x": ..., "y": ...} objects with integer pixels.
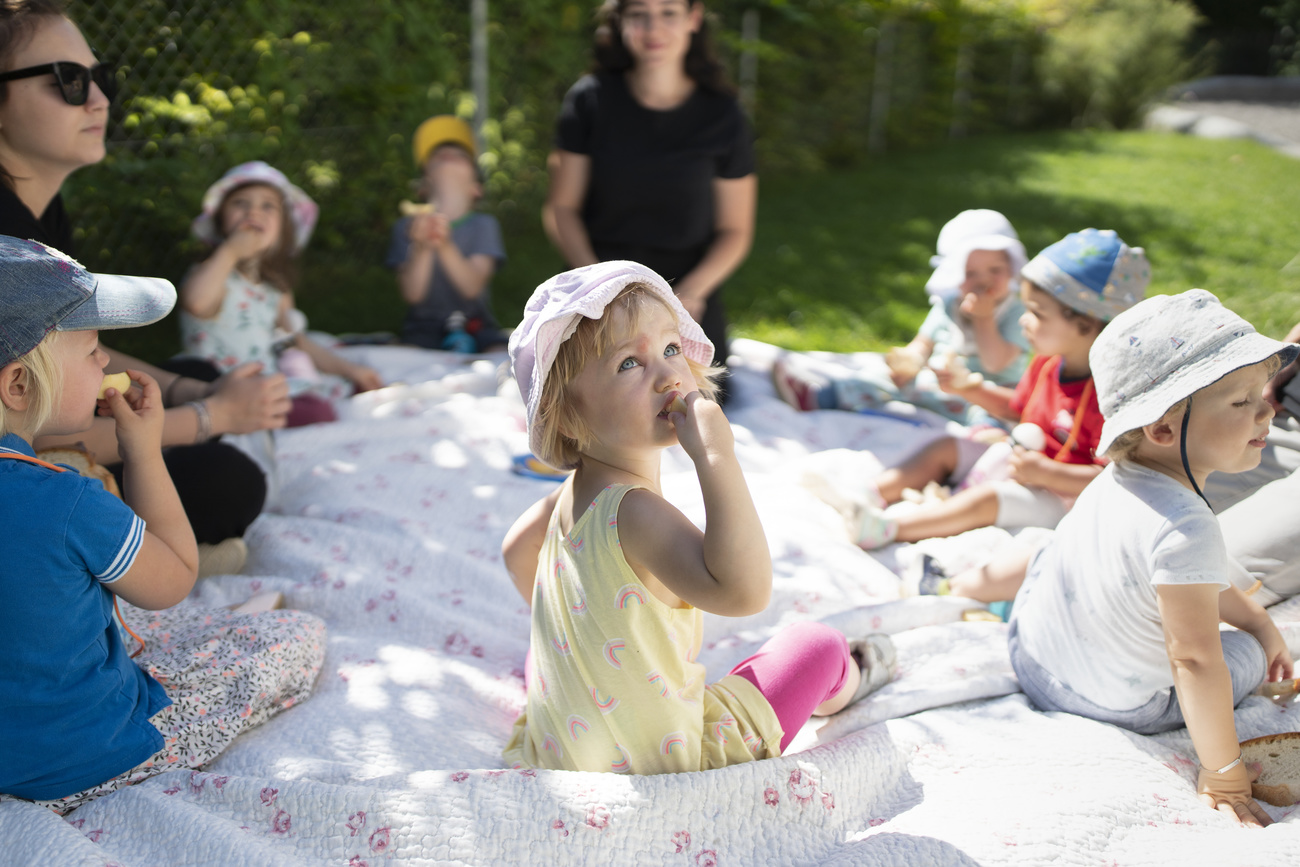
[
  {"x": 54, "y": 99},
  {"x": 654, "y": 158}
]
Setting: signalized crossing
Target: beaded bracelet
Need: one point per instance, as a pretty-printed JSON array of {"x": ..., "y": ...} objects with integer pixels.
[
  {"x": 205, "y": 421},
  {"x": 1229, "y": 766}
]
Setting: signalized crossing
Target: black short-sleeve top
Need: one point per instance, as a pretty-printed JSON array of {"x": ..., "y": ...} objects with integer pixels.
[
  {"x": 52, "y": 228},
  {"x": 652, "y": 171}
]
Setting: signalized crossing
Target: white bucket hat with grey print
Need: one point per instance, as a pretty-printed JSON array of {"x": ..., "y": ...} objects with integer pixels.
[
  {"x": 552, "y": 315},
  {"x": 1093, "y": 272},
  {"x": 1167, "y": 348}
]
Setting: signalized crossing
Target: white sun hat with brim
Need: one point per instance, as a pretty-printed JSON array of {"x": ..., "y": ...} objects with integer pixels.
[
  {"x": 302, "y": 209},
  {"x": 552, "y": 314},
  {"x": 43, "y": 290},
  {"x": 977, "y": 229},
  {"x": 1166, "y": 348}
]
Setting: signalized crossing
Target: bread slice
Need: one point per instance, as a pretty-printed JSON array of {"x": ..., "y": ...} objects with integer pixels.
[
  {"x": 80, "y": 459},
  {"x": 1278, "y": 759}
]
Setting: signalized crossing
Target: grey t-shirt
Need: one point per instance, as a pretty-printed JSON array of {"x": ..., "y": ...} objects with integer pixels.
[{"x": 426, "y": 322}]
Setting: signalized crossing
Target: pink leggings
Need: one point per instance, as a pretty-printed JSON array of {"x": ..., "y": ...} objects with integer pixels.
[{"x": 798, "y": 669}]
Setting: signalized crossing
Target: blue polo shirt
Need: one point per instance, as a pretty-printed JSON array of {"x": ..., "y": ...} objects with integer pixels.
[{"x": 74, "y": 708}]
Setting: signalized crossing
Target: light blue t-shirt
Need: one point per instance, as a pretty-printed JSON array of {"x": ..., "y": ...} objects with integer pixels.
[
  {"x": 951, "y": 332},
  {"x": 74, "y": 708}
]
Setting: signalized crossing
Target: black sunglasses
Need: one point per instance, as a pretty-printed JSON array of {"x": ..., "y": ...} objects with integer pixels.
[{"x": 73, "y": 78}]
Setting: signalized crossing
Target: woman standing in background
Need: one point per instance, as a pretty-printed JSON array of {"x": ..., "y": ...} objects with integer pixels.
[{"x": 654, "y": 158}]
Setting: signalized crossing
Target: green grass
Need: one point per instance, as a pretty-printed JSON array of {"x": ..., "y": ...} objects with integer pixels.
[{"x": 840, "y": 259}]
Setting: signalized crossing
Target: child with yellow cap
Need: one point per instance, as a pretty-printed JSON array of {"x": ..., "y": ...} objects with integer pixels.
[{"x": 445, "y": 252}]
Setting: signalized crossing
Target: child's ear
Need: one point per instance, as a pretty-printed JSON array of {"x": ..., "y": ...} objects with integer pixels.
[
  {"x": 1162, "y": 433},
  {"x": 13, "y": 387}
]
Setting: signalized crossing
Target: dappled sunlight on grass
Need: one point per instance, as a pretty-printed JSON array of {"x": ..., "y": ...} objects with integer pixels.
[{"x": 840, "y": 259}]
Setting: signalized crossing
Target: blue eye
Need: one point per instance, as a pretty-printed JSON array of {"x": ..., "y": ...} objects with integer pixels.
[
  {"x": 672, "y": 349},
  {"x": 628, "y": 364}
]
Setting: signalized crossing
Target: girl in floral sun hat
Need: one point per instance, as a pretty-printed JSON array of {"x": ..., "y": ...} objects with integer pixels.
[{"x": 237, "y": 305}]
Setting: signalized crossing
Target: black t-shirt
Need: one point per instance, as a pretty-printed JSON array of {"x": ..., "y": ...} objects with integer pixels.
[
  {"x": 53, "y": 229},
  {"x": 652, "y": 172}
]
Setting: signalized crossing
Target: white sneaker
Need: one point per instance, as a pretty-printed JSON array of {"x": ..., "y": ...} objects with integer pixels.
[{"x": 878, "y": 661}]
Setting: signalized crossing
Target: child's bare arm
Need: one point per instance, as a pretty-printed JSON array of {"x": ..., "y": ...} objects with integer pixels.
[
  {"x": 1239, "y": 610},
  {"x": 1038, "y": 470},
  {"x": 996, "y": 399},
  {"x": 364, "y": 378},
  {"x": 167, "y": 564},
  {"x": 1189, "y": 615},
  {"x": 523, "y": 543},
  {"x": 727, "y": 569},
  {"x": 204, "y": 288}
]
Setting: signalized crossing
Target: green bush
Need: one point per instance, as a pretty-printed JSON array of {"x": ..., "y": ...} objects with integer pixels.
[{"x": 1105, "y": 60}]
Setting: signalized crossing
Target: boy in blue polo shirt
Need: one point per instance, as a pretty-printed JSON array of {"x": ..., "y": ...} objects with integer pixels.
[{"x": 79, "y": 717}]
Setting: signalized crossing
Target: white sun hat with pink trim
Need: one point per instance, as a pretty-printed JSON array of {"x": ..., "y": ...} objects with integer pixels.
[
  {"x": 302, "y": 210},
  {"x": 552, "y": 314}
]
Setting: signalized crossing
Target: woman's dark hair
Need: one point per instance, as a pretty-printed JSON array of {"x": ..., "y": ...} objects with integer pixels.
[
  {"x": 279, "y": 266},
  {"x": 18, "y": 21},
  {"x": 702, "y": 64}
]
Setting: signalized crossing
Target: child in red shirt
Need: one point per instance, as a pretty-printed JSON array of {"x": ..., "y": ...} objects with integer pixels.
[{"x": 1070, "y": 291}]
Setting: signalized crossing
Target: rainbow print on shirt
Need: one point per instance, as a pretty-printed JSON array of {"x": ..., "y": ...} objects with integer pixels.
[
  {"x": 656, "y": 679},
  {"x": 550, "y": 743},
  {"x": 605, "y": 705},
  {"x": 629, "y": 592},
  {"x": 673, "y": 741},
  {"x": 577, "y": 725},
  {"x": 720, "y": 727},
  {"x": 623, "y": 764},
  {"x": 612, "y": 649}
]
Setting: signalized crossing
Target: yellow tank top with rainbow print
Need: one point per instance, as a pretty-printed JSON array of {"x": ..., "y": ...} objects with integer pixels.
[{"x": 614, "y": 685}]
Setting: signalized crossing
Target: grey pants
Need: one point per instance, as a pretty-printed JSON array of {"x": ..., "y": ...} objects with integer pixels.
[
  {"x": 1246, "y": 664},
  {"x": 1259, "y": 512}
]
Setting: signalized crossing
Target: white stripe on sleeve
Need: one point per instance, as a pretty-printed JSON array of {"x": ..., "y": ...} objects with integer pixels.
[{"x": 125, "y": 557}]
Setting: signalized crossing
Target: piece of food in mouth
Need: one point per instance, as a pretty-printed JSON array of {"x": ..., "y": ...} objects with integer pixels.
[
  {"x": 119, "y": 381},
  {"x": 677, "y": 405},
  {"x": 410, "y": 209}
]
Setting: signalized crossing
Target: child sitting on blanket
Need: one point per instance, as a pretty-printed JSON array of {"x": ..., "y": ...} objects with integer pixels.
[
  {"x": 445, "y": 252},
  {"x": 973, "y": 329},
  {"x": 1070, "y": 291},
  {"x": 1119, "y": 616},
  {"x": 237, "y": 305},
  {"x": 613, "y": 370},
  {"x": 80, "y": 718}
]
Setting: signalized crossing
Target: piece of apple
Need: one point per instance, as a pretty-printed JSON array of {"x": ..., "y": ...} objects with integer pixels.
[{"x": 119, "y": 381}]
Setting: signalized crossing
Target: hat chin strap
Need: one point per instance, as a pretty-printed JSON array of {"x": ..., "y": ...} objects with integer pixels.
[{"x": 1182, "y": 448}]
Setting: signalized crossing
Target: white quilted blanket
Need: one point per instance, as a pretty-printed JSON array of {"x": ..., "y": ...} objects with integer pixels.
[{"x": 388, "y": 525}]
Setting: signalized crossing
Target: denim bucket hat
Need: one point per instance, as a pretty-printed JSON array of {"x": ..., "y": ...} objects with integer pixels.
[
  {"x": 43, "y": 290},
  {"x": 1166, "y": 348},
  {"x": 1093, "y": 272},
  {"x": 552, "y": 313}
]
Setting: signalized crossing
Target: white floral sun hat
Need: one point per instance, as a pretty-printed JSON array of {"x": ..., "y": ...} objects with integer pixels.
[
  {"x": 302, "y": 210},
  {"x": 1166, "y": 348},
  {"x": 552, "y": 313},
  {"x": 1092, "y": 271}
]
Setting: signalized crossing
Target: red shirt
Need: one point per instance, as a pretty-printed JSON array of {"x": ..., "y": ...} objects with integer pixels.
[{"x": 1043, "y": 399}]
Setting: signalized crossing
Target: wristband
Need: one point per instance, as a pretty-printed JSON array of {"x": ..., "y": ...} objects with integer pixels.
[
  {"x": 204, "y": 432},
  {"x": 1223, "y": 770}
]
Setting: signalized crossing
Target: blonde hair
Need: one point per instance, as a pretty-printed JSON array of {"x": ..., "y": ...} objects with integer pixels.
[
  {"x": 563, "y": 431},
  {"x": 44, "y": 380},
  {"x": 1125, "y": 446}
]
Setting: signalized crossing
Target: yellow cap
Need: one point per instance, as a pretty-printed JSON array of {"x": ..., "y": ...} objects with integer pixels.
[{"x": 443, "y": 129}]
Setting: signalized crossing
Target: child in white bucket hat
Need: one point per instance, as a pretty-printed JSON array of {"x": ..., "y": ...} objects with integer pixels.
[
  {"x": 612, "y": 371},
  {"x": 1118, "y": 619},
  {"x": 972, "y": 331}
]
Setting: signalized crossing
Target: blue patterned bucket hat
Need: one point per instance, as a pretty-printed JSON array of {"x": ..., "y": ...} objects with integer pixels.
[
  {"x": 1092, "y": 271},
  {"x": 1165, "y": 349}
]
